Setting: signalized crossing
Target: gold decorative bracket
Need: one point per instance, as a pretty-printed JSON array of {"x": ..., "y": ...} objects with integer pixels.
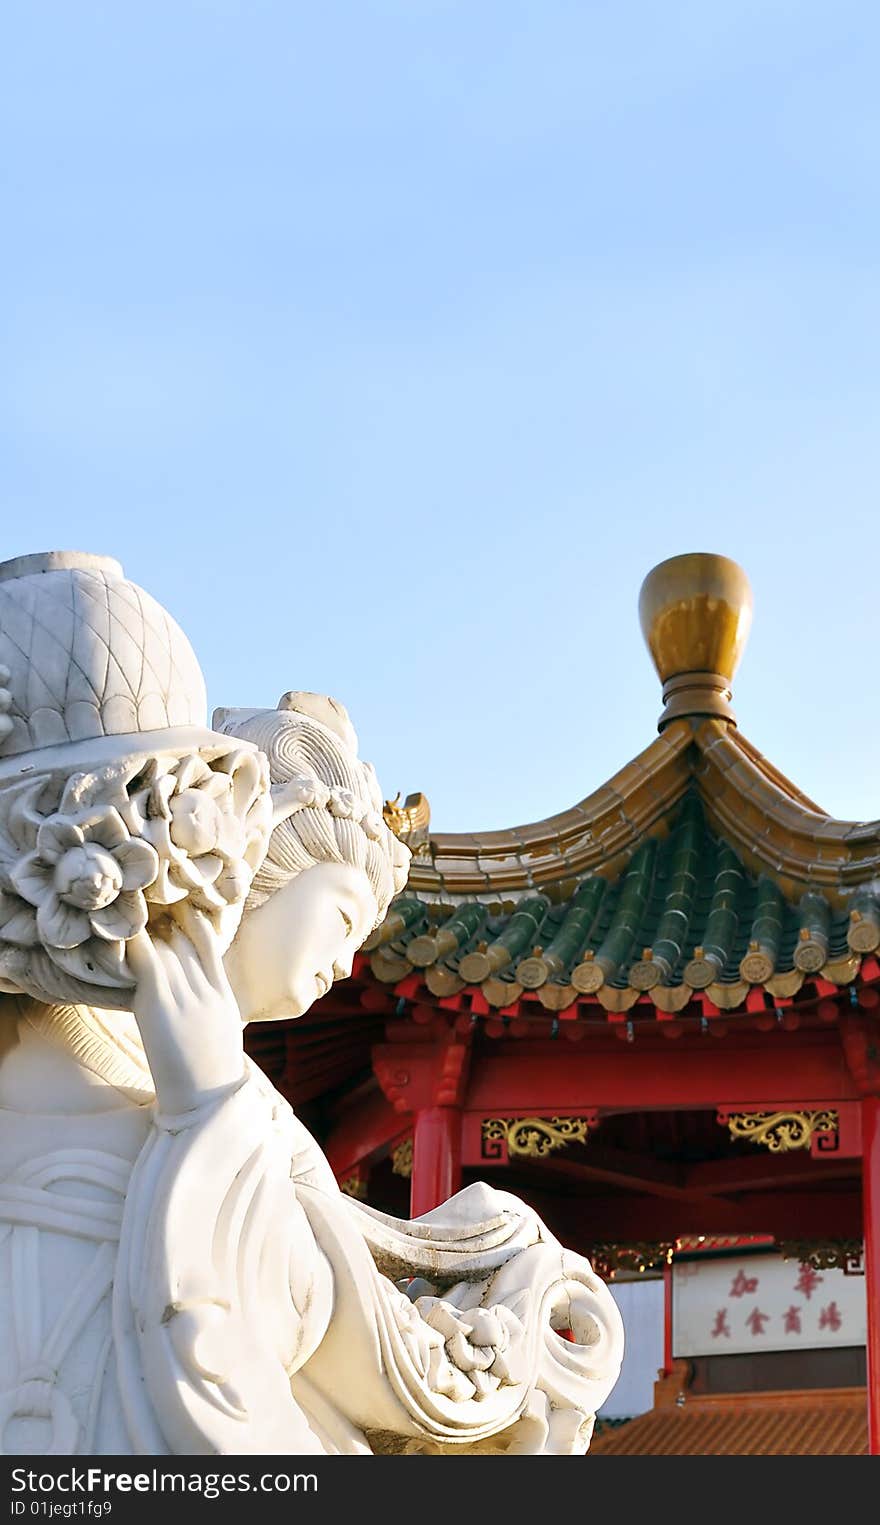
[
  {"x": 353, "y": 1186},
  {"x": 608, "y": 1259},
  {"x": 531, "y": 1137},
  {"x": 402, "y": 1158},
  {"x": 411, "y": 822},
  {"x": 779, "y": 1131},
  {"x": 846, "y": 1255}
]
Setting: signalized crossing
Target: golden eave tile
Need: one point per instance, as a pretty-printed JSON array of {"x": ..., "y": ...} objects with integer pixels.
[{"x": 575, "y": 841}]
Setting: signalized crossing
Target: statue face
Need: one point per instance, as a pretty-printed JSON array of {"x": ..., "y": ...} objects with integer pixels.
[{"x": 289, "y": 950}]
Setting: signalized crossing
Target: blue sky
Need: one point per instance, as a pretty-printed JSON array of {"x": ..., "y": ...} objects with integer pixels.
[{"x": 390, "y": 343}]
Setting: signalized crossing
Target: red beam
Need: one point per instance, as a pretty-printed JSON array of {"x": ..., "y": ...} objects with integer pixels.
[
  {"x": 767, "y": 1172},
  {"x": 301, "y": 1088},
  {"x": 618, "y": 1167},
  {"x": 624, "y": 1218},
  {"x": 793, "y": 1069},
  {"x": 364, "y": 1133}
]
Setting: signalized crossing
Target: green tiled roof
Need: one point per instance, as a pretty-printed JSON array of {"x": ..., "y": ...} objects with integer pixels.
[
  {"x": 697, "y": 868},
  {"x": 683, "y": 914}
]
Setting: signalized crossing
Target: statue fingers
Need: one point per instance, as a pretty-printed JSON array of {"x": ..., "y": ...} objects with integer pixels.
[
  {"x": 500, "y": 1368},
  {"x": 487, "y": 1328},
  {"x": 441, "y": 1316},
  {"x": 202, "y": 957},
  {"x": 145, "y": 962},
  {"x": 447, "y": 1379},
  {"x": 162, "y": 967},
  {"x": 481, "y": 1358},
  {"x": 483, "y": 1383},
  {"x": 467, "y": 1356}
]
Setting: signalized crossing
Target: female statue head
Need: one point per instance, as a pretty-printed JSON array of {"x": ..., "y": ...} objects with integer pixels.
[
  {"x": 118, "y": 805},
  {"x": 332, "y": 865},
  {"x": 122, "y": 814}
]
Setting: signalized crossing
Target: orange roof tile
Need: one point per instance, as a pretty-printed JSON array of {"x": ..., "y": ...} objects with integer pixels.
[{"x": 817, "y": 1424}]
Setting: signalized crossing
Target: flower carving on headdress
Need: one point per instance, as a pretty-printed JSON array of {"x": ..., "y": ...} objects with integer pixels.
[
  {"x": 84, "y": 867},
  {"x": 84, "y": 878},
  {"x": 209, "y": 828}
]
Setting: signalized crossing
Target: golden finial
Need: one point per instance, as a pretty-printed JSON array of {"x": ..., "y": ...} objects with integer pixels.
[{"x": 695, "y": 612}]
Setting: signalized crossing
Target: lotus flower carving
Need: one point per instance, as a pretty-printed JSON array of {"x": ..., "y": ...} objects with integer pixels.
[
  {"x": 85, "y": 866},
  {"x": 85, "y": 878}
]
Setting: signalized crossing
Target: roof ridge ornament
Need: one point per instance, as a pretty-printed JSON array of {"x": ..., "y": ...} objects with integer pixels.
[{"x": 695, "y": 612}]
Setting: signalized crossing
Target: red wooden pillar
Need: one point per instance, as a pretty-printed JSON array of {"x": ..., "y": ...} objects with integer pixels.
[
  {"x": 859, "y": 1037},
  {"x": 667, "y": 1319},
  {"x": 436, "y": 1170},
  {"x": 871, "y": 1217},
  {"x": 427, "y": 1081}
]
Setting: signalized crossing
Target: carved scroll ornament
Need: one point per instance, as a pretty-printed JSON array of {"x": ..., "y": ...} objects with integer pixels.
[
  {"x": 780, "y": 1131},
  {"x": 532, "y": 1137}
]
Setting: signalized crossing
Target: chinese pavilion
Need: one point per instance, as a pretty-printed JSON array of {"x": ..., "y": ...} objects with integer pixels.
[{"x": 655, "y": 1016}]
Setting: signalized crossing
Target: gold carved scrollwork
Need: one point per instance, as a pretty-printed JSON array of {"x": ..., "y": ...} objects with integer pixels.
[
  {"x": 402, "y": 1159},
  {"x": 353, "y": 1186},
  {"x": 845, "y": 1255},
  {"x": 531, "y": 1137},
  {"x": 781, "y": 1131},
  {"x": 608, "y": 1259}
]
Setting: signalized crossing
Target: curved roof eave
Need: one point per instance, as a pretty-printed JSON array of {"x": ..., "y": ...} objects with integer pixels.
[{"x": 772, "y": 825}]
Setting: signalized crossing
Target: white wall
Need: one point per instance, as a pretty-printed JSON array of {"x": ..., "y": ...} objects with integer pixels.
[{"x": 641, "y": 1308}]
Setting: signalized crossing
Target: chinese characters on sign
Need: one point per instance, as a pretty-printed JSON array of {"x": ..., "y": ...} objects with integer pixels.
[
  {"x": 742, "y": 1284},
  {"x": 762, "y": 1302},
  {"x": 808, "y": 1281}
]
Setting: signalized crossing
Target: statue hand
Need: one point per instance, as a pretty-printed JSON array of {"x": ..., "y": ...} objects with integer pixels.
[
  {"x": 188, "y": 1017},
  {"x": 481, "y": 1345}
]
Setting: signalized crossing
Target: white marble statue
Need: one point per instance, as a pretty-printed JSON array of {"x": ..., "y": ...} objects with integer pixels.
[{"x": 179, "y": 1272}]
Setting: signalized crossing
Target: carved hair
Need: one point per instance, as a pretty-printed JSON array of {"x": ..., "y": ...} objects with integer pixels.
[{"x": 328, "y": 801}]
